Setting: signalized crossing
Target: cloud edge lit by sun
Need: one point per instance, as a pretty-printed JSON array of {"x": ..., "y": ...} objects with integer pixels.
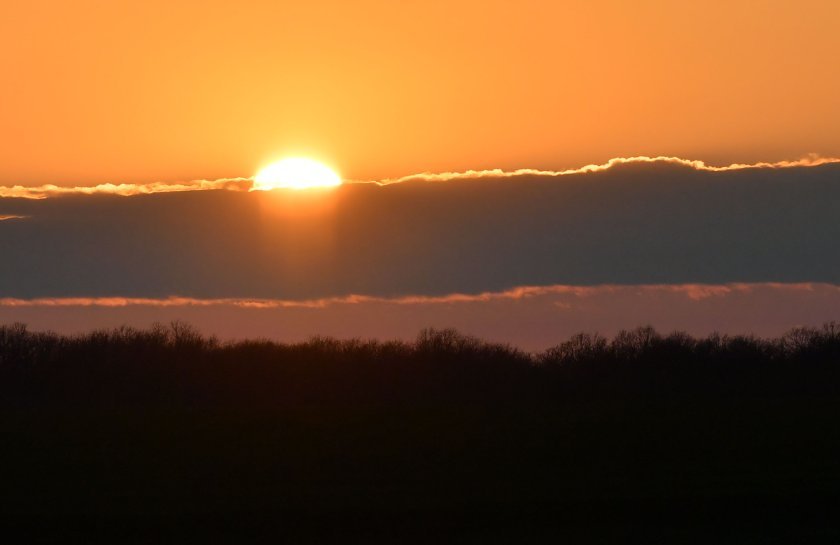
[{"x": 250, "y": 183}]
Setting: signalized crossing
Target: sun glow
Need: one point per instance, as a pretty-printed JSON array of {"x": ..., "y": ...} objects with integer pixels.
[{"x": 295, "y": 173}]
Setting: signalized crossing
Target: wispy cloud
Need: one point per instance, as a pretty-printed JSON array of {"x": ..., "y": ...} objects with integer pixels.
[
  {"x": 49, "y": 190},
  {"x": 694, "y": 292},
  {"x": 244, "y": 184},
  {"x": 11, "y": 217},
  {"x": 809, "y": 161}
]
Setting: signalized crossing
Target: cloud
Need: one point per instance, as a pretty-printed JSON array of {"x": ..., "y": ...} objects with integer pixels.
[
  {"x": 11, "y": 217},
  {"x": 809, "y": 161},
  {"x": 244, "y": 184},
  {"x": 125, "y": 190},
  {"x": 646, "y": 224},
  {"x": 518, "y": 293},
  {"x": 694, "y": 292}
]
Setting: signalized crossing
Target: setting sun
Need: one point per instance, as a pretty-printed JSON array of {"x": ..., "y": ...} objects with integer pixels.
[{"x": 295, "y": 173}]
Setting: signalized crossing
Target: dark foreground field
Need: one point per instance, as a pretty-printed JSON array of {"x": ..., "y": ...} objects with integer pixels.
[{"x": 163, "y": 436}]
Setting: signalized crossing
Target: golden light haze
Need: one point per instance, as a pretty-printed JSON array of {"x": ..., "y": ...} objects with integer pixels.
[
  {"x": 295, "y": 173},
  {"x": 101, "y": 91}
]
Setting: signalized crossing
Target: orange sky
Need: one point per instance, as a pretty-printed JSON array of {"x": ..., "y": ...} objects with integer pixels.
[{"x": 97, "y": 91}]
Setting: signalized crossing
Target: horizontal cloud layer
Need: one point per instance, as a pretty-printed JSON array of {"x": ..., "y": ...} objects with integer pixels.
[
  {"x": 633, "y": 223},
  {"x": 125, "y": 190},
  {"x": 695, "y": 292},
  {"x": 244, "y": 184},
  {"x": 809, "y": 161},
  {"x": 531, "y": 317}
]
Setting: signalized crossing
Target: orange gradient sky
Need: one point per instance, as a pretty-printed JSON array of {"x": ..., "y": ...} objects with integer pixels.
[{"x": 98, "y": 91}]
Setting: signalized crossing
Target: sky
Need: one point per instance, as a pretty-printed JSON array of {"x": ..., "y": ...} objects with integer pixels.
[
  {"x": 129, "y": 91},
  {"x": 521, "y": 171}
]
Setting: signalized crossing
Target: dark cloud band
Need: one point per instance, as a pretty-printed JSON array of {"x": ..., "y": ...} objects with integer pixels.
[{"x": 631, "y": 224}]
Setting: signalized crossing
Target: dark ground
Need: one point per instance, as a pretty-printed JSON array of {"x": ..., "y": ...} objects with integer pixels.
[{"x": 162, "y": 436}]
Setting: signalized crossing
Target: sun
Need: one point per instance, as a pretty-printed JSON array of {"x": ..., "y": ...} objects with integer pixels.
[{"x": 295, "y": 173}]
